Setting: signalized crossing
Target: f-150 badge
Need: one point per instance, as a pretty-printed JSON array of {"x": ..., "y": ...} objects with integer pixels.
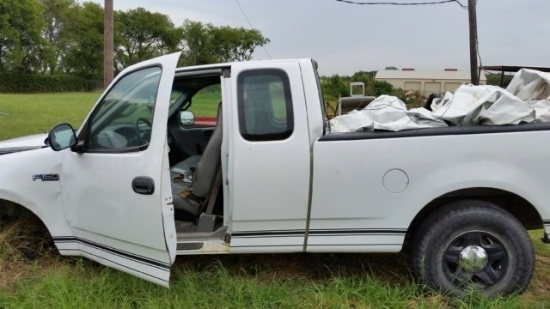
[{"x": 46, "y": 177}]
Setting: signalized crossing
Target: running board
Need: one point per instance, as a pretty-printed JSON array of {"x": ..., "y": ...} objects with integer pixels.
[{"x": 202, "y": 247}]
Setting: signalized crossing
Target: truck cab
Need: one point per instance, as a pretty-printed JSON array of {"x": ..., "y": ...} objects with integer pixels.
[{"x": 146, "y": 178}]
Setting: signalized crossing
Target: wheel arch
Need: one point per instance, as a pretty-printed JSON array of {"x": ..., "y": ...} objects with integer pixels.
[
  {"x": 519, "y": 207},
  {"x": 10, "y": 209}
]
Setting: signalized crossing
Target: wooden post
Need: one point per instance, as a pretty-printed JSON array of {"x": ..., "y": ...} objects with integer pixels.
[
  {"x": 473, "y": 41},
  {"x": 108, "y": 44}
]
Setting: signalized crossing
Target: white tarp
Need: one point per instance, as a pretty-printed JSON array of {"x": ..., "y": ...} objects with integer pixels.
[
  {"x": 385, "y": 113},
  {"x": 488, "y": 105},
  {"x": 527, "y": 99}
]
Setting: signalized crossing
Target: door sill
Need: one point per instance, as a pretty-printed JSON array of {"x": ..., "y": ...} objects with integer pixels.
[
  {"x": 202, "y": 247},
  {"x": 202, "y": 242}
]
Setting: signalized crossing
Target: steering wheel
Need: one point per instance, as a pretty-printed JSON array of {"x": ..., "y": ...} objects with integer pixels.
[{"x": 144, "y": 129}]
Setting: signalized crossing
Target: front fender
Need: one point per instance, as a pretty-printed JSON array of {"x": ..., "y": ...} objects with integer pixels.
[{"x": 29, "y": 179}]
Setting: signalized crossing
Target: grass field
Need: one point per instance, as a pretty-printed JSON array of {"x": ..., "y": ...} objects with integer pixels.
[
  {"x": 25, "y": 114},
  {"x": 233, "y": 281}
]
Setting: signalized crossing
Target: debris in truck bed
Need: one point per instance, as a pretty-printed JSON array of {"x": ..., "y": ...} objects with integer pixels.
[{"x": 525, "y": 100}]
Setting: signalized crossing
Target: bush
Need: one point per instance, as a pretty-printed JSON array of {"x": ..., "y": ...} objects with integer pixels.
[
  {"x": 336, "y": 86},
  {"x": 33, "y": 83}
]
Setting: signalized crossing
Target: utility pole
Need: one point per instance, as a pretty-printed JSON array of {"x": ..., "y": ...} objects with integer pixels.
[
  {"x": 473, "y": 41},
  {"x": 108, "y": 44}
]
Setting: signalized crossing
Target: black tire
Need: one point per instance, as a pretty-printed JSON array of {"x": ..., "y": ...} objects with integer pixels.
[{"x": 473, "y": 227}]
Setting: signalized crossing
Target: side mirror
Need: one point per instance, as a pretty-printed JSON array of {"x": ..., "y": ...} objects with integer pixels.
[
  {"x": 187, "y": 118},
  {"x": 62, "y": 137}
]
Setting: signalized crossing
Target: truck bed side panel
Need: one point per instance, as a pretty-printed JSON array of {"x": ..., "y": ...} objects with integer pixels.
[{"x": 367, "y": 191}]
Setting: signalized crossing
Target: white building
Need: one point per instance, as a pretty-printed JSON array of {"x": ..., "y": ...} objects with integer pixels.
[{"x": 427, "y": 82}]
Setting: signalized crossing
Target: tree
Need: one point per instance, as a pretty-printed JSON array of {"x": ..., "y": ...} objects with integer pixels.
[
  {"x": 235, "y": 44},
  {"x": 66, "y": 36},
  {"x": 335, "y": 86},
  {"x": 382, "y": 87},
  {"x": 206, "y": 43},
  {"x": 21, "y": 42},
  {"x": 84, "y": 55},
  {"x": 494, "y": 79},
  {"x": 140, "y": 35},
  {"x": 196, "y": 43},
  {"x": 57, "y": 14}
]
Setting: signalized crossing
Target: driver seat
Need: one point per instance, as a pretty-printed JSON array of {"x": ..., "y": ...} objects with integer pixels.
[{"x": 206, "y": 178}]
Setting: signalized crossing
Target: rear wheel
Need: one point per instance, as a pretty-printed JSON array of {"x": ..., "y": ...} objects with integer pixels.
[{"x": 473, "y": 245}]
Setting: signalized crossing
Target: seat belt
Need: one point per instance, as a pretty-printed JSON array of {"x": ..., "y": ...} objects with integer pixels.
[{"x": 214, "y": 192}]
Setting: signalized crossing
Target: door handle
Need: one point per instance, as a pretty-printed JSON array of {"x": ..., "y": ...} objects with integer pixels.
[{"x": 143, "y": 185}]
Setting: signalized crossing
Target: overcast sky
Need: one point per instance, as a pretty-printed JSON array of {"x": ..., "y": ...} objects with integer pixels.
[{"x": 346, "y": 38}]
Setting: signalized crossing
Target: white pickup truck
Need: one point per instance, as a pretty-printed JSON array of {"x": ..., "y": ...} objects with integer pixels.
[{"x": 141, "y": 182}]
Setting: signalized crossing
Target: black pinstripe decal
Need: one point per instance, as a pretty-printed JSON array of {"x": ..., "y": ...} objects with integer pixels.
[
  {"x": 104, "y": 258},
  {"x": 327, "y": 232},
  {"x": 111, "y": 250}
]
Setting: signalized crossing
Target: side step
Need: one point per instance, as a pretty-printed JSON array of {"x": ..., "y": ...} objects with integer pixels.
[
  {"x": 189, "y": 246},
  {"x": 202, "y": 247}
]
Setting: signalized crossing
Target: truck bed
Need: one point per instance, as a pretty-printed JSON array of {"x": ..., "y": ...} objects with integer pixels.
[{"x": 454, "y": 130}]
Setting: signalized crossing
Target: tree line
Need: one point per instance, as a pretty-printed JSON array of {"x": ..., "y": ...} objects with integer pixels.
[
  {"x": 337, "y": 86},
  {"x": 53, "y": 37}
]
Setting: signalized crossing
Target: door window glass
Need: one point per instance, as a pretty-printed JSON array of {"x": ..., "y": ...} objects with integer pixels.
[{"x": 123, "y": 119}]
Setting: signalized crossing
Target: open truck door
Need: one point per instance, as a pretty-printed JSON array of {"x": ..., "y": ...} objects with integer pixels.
[{"x": 115, "y": 179}]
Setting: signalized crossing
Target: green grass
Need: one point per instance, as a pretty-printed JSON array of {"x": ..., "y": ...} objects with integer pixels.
[
  {"x": 25, "y": 114},
  {"x": 205, "y": 102},
  {"x": 234, "y": 281}
]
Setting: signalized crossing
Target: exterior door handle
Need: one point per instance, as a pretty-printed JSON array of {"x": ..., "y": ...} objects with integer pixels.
[{"x": 143, "y": 185}]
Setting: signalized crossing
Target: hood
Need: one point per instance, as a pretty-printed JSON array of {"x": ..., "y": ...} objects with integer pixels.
[{"x": 23, "y": 143}]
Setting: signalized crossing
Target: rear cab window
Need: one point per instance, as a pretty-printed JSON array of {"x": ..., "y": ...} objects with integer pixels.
[{"x": 265, "y": 105}]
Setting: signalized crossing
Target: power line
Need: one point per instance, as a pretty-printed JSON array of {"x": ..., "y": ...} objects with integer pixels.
[
  {"x": 461, "y": 5},
  {"x": 250, "y": 24},
  {"x": 242, "y": 11},
  {"x": 465, "y": 7},
  {"x": 399, "y": 3}
]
